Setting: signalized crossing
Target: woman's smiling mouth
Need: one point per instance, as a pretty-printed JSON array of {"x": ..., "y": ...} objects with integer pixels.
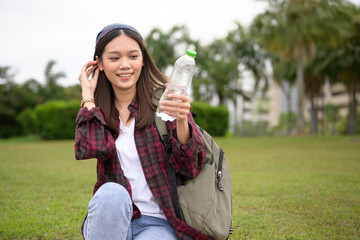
[{"x": 127, "y": 75}]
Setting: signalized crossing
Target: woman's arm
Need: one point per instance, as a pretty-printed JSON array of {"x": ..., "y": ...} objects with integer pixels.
[
  {"x": 188, "y": 159},
  {"x": 92, "y": 138},
  {"x": 179, "y": 107},
  {"x": 188, "y": 156}
]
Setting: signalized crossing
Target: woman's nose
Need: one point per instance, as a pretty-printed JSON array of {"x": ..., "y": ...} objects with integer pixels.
[{"x": 124, "y": 63}]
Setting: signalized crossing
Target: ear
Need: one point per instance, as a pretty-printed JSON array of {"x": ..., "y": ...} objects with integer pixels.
[{"x": 99, "y": 64}]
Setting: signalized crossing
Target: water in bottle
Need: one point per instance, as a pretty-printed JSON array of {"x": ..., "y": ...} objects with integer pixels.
[{"x": 179, "y": 80}]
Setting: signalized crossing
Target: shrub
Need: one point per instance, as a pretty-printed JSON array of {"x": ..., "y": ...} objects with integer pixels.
[
  {"x": 252, "y": 129},
  {"x": 27, "y": 121},
  {"x": 56, "y": 119},
  {"x": 282, "y": 127},
  {"x": 214, "y": 120},
  {"x": 341, "y": 126},
  {"x": 7, "y": 127}
]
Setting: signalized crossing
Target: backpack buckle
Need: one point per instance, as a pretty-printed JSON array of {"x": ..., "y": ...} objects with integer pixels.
[{"x": 220, "y": 187}]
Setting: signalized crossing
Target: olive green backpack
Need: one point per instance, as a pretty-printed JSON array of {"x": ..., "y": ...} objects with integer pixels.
[{"x": 205, "y": 202}]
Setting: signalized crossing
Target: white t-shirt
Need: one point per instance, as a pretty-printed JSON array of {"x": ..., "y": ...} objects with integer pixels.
[{"x": 130, "y": 163}]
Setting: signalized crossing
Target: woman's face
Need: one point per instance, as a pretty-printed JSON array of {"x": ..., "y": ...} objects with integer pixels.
[{"x": 122, "y": 62}]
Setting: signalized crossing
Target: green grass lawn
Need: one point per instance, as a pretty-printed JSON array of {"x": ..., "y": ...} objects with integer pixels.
[{"x": 284, "y": 188}]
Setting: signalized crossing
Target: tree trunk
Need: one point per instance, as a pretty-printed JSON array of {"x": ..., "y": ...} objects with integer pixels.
[
  {"x": 329, "y": 108},
  {"x": 235, "y": 117},
  {"x": 333, "y": 120},
  {"x": 243, "y": 118},
  {"x": 314, "y": 119},
  {"x": 300, "y": 122},
  {"x": 351, "y": 127},
  {"x": 286, "y": 89},
  {"x": 288, "y": 106},
  {"x": 221, "y": 98},
  {"x": 323, "y": 113}
]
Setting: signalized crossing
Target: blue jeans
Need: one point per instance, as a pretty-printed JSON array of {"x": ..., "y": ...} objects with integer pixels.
[{"x": 110, "y": 217}]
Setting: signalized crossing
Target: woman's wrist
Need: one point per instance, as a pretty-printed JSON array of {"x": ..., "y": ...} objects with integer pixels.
[
  {"x": 87, "y": 94},
  {"x": 88, "y": 99},
  {"x": 89, "y": 105},
  {"x": 182, "y": 129}
]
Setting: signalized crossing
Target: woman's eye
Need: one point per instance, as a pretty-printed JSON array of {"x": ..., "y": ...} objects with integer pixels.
[
  {"x": 114, "y": 58},
  {"x": 134, "y": 56}
]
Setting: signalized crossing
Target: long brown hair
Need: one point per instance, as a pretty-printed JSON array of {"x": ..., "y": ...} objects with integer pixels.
[{"x": 149, "y": 79}]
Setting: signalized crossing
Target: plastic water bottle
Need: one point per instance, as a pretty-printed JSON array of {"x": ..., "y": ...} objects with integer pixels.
[{"x": 179, "y": 80}]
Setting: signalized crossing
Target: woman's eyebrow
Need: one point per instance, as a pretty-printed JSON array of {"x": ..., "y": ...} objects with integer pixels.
[{"x": 117, "y": 52}]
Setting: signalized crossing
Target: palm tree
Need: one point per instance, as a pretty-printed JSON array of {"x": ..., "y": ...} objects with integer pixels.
[
  {"x": 162, "y": 45},
  {"x": 250, "y": 55},
  {"x": 52, "y": 89},
  {"x": 292, "y": 29},
  {"x": 253, "y": 59},
  {"x": 313, "y": 89},
  {"x": 284, "y": 73},
  {"x": 220, "y": 68},
  {"x": 341, "y": 64},
  {"x": 350, "y": 73}
]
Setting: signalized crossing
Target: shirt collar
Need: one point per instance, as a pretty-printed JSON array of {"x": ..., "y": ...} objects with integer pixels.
[{"x": 133, "y": 108}]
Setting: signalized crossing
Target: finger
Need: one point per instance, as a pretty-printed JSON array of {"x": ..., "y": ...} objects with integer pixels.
[
  {"x": 173, "y": 108},
  {"x": 96, "y": 75},
  {"x": 85, "y": 68},
  {"x": 181, "y": 97},
  {"x": 88, "y": 65},
  {"x": 177, "y": 115},
  {"x": 177, "y": 102},
  {"x": 90, "y": 70}
]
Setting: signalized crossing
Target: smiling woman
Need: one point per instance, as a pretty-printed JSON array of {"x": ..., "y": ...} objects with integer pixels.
[
  {"x": 122, "y": 62},
  {"x": 116, "y": 126}
]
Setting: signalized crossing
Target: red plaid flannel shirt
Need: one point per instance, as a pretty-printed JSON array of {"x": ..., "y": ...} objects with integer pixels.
[{"x": 94, "y": 140}]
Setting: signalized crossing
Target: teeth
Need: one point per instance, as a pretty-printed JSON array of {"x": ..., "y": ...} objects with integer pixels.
[{"x": 124, "y": 75}]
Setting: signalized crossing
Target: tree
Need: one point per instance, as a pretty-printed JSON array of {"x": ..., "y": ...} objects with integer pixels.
[
  {"x": 284, "y": 73},
  {"x": 252, "y": 58},
  {"x": 313, "y": 88},
  {"x": 10, "y": 104},
  {"x": 163, "y": 46},
  {"x": 341, "y": 64},
  {"x": 250, "y": 55},
  {"x": 52, "y": 89},
  {"x": 293, "y": 28},
  {"x": 350, "y": 72}
]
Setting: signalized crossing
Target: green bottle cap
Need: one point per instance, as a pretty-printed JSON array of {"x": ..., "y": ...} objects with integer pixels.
[{"x": 191, "y": 53}]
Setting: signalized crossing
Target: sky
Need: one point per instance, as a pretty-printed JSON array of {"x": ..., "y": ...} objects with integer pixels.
[{"x": 36, "y": 31}]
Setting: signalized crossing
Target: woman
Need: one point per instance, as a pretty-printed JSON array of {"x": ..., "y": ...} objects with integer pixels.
[{"x": 132, "y": 198}]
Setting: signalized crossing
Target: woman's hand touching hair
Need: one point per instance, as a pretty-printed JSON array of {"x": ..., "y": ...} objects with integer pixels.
[{"x": 88, "y": 85}]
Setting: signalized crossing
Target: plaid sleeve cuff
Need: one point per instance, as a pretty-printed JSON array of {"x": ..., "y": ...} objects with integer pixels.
[
  {"x": 189, "y": 158},
  {"x": 182, "y": 149},
  {"x": 85, "y": 115}
]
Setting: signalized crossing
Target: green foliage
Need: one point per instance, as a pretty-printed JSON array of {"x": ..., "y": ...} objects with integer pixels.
[
  {"x": 342, "y": 125},
  {"x": 286, "y": 124},
  {"x": 17, "y": 100},
  {"x": 27, "y": 121},
  {"x": 52, "y": 89},
  {"x": 254, "y": 129},
  {"x": 214, "y": 120},
  {"x": 163, "y": 46},
  {"x": 11, "y": 103},
  {"x": 56, "y": 119}
]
